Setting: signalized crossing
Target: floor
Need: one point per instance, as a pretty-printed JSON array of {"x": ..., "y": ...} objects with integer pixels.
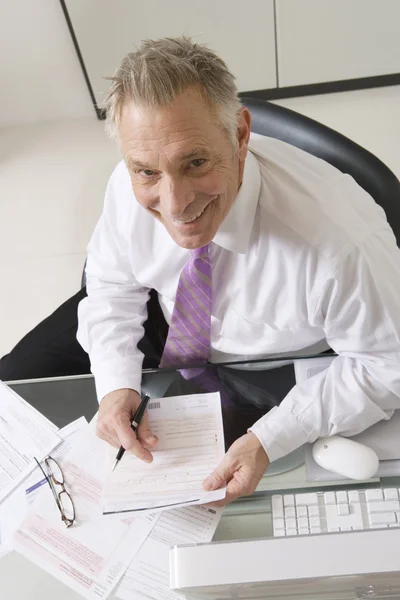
[{"x": 52, "y": 181}]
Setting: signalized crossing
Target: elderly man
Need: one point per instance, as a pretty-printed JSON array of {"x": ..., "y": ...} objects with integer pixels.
[{"x": 249, "y": 246}]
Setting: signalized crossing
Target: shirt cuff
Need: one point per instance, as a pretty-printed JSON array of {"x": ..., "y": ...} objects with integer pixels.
[
  {"x": 109, "y": 378},
  {"x": 279, "y": 433}
]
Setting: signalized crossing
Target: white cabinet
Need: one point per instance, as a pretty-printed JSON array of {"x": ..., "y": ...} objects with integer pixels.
[
  {"x": 332, "y": 40},
  {"x": 242, "y": 33}
]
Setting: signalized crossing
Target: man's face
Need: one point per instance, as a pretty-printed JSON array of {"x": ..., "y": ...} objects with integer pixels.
[{"x": 183, "y": 167}]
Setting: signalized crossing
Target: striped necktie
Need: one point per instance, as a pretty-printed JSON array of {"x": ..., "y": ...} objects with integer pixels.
[{"x": 189, "y": 335}]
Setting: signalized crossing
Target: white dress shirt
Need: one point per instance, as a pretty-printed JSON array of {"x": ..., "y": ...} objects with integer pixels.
[{"x": 305, "y": 258}]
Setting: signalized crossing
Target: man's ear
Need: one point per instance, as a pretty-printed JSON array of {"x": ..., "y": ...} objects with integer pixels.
[{"x": 243, "y": 132}]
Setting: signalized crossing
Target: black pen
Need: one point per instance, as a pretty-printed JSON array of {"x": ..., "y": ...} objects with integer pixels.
[{"x": 137, "y": 417}]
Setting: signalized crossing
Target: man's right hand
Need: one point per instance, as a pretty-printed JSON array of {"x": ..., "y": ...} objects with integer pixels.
[{"x": 114, "y": 424}]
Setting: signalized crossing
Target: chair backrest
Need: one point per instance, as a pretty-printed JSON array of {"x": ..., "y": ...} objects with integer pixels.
[{"x": 347, "y": 156}]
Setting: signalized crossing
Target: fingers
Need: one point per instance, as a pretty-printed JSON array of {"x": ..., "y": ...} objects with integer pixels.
[
  {"x": 238, "y": 486},
  {"x": 114, "y": 424},
  {"x": 220, "y": 477},
  {"x": 144, "y": 433}
]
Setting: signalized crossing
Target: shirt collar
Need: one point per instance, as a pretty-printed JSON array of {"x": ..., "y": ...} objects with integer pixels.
[{"x": 234, "y": 233}]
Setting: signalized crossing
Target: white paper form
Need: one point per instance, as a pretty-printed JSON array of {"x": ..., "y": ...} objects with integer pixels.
[
  {"x": 191, "y": 444},
  {"x": 24, "y": 434},
  {"x": 148, "y": 575},
  {"x": 92, "y": 555},
  {"x": 14, "y": 508}
]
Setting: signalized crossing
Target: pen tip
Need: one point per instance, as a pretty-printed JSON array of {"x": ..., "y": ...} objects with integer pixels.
[{"x": 114, "y": 465}]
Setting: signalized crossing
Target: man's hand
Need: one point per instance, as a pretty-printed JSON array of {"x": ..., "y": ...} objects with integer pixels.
[
  {"x": 114, "y": 424},
  {"x": 240, "y": 470}
]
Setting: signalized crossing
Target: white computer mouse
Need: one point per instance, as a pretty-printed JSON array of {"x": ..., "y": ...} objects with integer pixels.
[{"x": 345, "y": 457}]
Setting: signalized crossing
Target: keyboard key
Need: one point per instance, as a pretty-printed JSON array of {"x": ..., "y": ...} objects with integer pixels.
[
  {"x": 382, "y": 518},
  {"x": 277, "y": 503},
  {"x": 389, "y": 506},
  {"x": 341, "y": 497},
  {"x": 315, "y": 522},
  {"x": 315, "y": 529},
  {"x": 290, "y": 524},
  {"x": 288, "y": 500},
  {"x": 330, "y": 498},
  {"x": 290, "y": 511},
  {"x": 313, "y": 511},
  {"x": 354, "y": 496},
  {"x": 291, "y": 531},
  {"x": 354, "y": 519},
  {"x": 304, "y": 531},
  {"x": 345, "y": 528},
  {"x": 394, "y": 525},
  {"x": 306, "y": 499},
  {"x": 302, "y": 523},
  {"x": 279, "y": 533},
  {"x": 278, "y": 523},
  {"x": 332, "y": 529},
  {"x": 301, "y": 511},
  {"x": 343, "y": 510},
  {"x": 373, "y": 495},
  {"x": 390, "y": 494}
]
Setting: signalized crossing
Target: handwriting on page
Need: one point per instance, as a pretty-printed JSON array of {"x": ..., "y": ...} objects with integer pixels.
[{"x": 190, "y": 445}]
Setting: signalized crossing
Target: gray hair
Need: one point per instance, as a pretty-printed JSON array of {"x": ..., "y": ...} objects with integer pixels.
[{"x": 161, "y": 69}]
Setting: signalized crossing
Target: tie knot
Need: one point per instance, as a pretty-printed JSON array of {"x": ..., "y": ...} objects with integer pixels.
[{"x": 200, "y": 252}]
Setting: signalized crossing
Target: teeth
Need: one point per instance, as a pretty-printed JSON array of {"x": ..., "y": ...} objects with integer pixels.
[{"x": 190, "y": 220}]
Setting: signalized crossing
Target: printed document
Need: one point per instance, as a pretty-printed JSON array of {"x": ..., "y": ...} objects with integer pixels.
[
  {"x": 191, "y": 444},
  {"x": 92, "y": 555},
  {"x": 148, "y": 575},
  {"x": 24, "y": 434},
  {"x": 14, "y": 508}
]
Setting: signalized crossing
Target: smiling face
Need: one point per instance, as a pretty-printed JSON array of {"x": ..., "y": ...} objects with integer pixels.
[{"x": 183, "y": 166}]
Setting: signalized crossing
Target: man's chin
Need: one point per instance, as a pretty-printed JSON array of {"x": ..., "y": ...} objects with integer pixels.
[{"x": 192, "y": 240}]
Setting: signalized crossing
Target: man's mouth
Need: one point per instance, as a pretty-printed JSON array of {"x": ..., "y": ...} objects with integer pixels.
[{"x": 183, "y": 222}]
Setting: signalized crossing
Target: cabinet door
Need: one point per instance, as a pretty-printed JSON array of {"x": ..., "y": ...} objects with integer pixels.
[
  {"x": 241, "y": 32},
  {"x": 331, "y": 40}
]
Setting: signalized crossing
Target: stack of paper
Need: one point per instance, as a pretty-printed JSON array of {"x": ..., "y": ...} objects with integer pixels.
[
  {"x": 149, "y": 576},
  {"x": 190, "y": 446},
  {"x": 93, "y": 554},
  {"x": 24, "y": 435},
  {"x": 99, "y": 552}
]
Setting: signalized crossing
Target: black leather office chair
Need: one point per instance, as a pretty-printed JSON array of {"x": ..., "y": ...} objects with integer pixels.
[
  {"x": 317, "y": 139},
  {"x": 347, "y": 156}
]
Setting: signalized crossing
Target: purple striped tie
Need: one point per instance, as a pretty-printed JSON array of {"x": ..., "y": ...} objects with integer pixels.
[{"x": 189, "y": 334}]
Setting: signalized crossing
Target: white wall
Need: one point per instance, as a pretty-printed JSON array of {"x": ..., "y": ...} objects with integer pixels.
[
  {"x": 242, "y": 33},
  {"x": 40, "y": 75}
]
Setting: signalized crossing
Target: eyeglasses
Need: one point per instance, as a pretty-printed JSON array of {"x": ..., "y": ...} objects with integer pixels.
[{"x": 55, "y": 477}]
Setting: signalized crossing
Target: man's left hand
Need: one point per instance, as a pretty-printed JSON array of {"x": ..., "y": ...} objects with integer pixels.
[{"x": 240, "y": 470}]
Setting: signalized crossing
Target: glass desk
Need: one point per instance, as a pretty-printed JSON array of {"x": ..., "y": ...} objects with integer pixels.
[{"x": 248, "y": 391}]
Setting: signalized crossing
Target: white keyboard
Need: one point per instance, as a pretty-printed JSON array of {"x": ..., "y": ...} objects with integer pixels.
[{"x": 344, "y": 510}]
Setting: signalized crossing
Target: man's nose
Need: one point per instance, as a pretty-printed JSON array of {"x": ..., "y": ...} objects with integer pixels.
[{"x": 175, "y": 196}]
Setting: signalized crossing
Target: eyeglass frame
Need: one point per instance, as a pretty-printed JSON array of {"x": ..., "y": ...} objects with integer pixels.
[{"x": 52, "y": 481}]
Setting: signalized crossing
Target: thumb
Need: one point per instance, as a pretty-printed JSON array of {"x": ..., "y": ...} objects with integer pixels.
[{"x": 220, "y": 477}]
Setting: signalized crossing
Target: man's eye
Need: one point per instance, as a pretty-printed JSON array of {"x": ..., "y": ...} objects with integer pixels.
[
  {"x": 197, "y": 162},
  {"x": 147, "y": 172}
]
